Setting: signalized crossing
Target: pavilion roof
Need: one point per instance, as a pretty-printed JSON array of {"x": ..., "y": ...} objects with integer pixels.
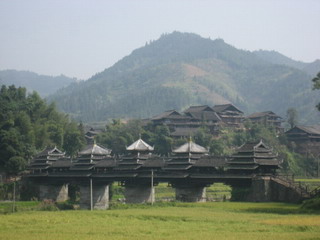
[
  {"x": 50, "y": 151},
  {"x": 140, "y": 145},
  {"x": 94, "y": 149},
  {"x": 190, "y": 147}
]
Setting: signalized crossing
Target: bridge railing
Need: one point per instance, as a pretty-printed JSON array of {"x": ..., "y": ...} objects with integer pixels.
[{"x": 288, "y": 180}]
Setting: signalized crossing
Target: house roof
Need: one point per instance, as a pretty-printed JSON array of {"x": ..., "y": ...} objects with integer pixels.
[
  {"x": 314, "y": 129},
  {"x": 140, "y": 145},
  {"x": 94, "y": 149},
  {"x": 263, "y": 114},
  {"x": 190, "y": 147},
  {"x": 168, "y": 114},
  {"x": 226, "y": 107},
  {"x": 199, "y": 109},
  {"x": 204, "y": 115}
]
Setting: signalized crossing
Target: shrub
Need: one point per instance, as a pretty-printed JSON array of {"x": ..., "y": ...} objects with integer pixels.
[
  {"x": 312, "y": 204},
  {"x": 48, "y": 205}
]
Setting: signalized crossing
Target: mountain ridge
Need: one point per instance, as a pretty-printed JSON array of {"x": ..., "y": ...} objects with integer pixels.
[
  {"x": 43, "y": 84},
  {"x": 181, "y": 69}
]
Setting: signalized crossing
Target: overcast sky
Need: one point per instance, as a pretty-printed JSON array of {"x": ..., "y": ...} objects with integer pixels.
[{"x": 79, "y": 38}]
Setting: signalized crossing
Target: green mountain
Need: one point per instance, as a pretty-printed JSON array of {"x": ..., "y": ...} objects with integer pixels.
[
  {"x": 44, "y": 85},
  {"x": 182, "y": 69},
  {"x": 277, "y": 58}
]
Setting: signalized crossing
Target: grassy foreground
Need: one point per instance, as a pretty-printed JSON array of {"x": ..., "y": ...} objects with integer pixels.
[{"x": 216, "y": 220}]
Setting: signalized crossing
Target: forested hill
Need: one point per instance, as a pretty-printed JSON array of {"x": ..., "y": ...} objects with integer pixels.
[
  {"x": 182, "y": 69},
  {"x": 44, "y": 85},
  {"x": 277, "y": 58}
]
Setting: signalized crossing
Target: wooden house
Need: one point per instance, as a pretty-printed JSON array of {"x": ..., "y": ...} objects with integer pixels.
[
  {"x": 305, "y": 139},
  {"x": 267, "y": 118},
  {"x": 230, "y": 115}
]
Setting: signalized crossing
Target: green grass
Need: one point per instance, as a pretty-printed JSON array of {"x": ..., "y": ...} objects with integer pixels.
[
  {"x": 7, "y": 206},
  {"x": 216, "y": 192},
  {"x": 214, "y": 220}
]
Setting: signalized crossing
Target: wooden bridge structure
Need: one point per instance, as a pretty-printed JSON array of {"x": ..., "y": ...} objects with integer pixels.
[{"x": 189, "y": 169}]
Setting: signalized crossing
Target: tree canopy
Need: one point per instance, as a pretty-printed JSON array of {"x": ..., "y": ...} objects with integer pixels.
[{"x": 28, "y": 124}]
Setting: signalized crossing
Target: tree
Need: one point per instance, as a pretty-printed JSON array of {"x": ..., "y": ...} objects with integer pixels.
[
  {"x": 292, "y": 117},
  {"x": 15, "y": 165},
  {"x": 316, "y": 85},
  {"x": 73, "y": 140}
]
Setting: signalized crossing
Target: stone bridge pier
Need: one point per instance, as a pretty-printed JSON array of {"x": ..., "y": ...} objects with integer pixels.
[
  {"x": 139, "y": 193},
  {"x": 95, "y": 193},
  {"x": 56, "y": 192},
  {"x": 190, "y": 193}
]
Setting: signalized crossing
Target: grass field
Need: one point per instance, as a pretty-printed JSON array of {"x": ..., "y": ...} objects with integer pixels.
[
  {"x": 214, "y": 220},
  {"x": 216, "y": 192}
]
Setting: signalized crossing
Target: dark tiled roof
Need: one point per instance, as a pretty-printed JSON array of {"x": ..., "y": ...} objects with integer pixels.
[
  {"x": 251, "y": 146},
  {"x": 314, "y": 129},
  {"x": 106, "y": 163},
  {"x": 154, "y": 162},
  {"x": 62, "y": 163},
  {"x": 199, "y": 109},
  {"x": 263, "y": 114},
  {"x": 226, "y": 107},
  {"x": 211, "y": 162},
  {"x": 50, "y": 151},
  {"x": 204, "y": 116},
  {"x": 168, "y": 114}
]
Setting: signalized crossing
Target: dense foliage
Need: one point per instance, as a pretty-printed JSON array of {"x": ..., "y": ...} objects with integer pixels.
[
  {"x": 182, "y": 69},
  {"x": 118, "y": 135},
  {"x": 316, "y": 85},
  {"x": 28, "y": 125}
]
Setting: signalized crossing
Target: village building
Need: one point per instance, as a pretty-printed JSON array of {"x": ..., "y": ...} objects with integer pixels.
[
  {"x": 267, "y": 118},
  {"x": 230, "y": 115},
  {"x": 188, "y": 123},
  {"x": 171, "y": 118},
  {"x": 305, "y": 140}
]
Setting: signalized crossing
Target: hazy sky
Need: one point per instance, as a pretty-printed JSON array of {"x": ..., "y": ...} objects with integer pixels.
[{"x": 79, "y": 38}]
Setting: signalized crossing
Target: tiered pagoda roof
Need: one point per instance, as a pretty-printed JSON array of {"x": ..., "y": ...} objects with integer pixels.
[
  {"x": 90, "y": 135},
  {"x": 185, "y": 156},
  {"x": 47, "y": 158},
  {"x": 137, "y": 154},
  {"x": 90, "y": 156},
  {"x": 251, "y": 157}
]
